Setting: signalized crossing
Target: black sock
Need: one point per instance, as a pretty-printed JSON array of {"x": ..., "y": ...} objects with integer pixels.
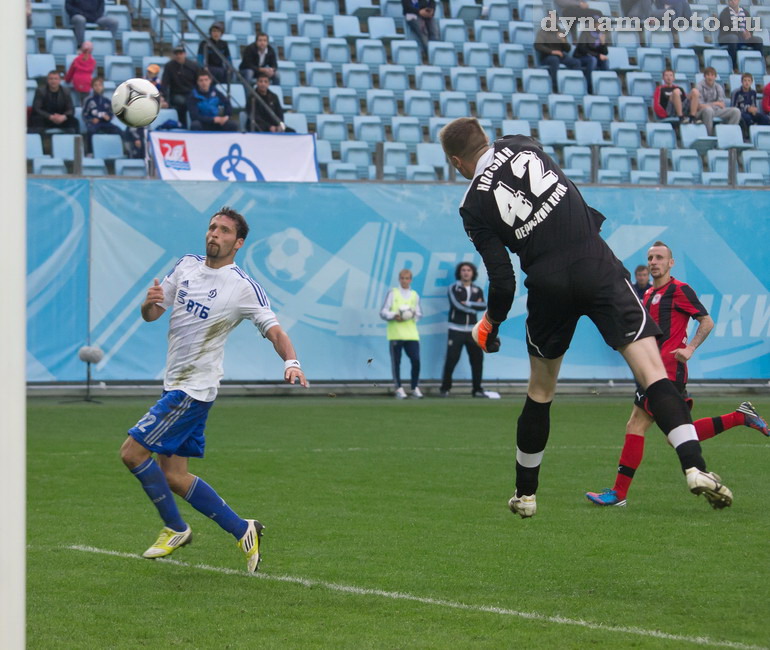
[{"x": 532, "y": 432}]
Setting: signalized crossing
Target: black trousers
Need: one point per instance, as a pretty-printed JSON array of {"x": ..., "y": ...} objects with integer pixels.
[{"x": 456, "y": 340}]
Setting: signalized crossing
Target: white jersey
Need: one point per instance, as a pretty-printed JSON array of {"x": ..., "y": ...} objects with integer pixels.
[{"x": 206, "y": 304}]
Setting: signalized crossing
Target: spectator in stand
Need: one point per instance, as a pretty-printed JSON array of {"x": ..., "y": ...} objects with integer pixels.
[
  {"x": 179, "y": 77},
  {"x": 707, "y": 101},
  {"x": 591, "y": 51},
  {"x": 133, "y": 137},
  {"x": 766, "y": 99},
  {"x": 263, "y": 120},
  {"x": 553, "y": 49},
  {"x": 671, "y": 100},
  {"x": 646, "y": 9},
  {"x": 258, "y": 57},
  {"x": 152, "y": 75},
  {"x": 97, "y": 113},
  {"x": 209, "y": 109},
  {"x": 575, "y": 9},
  {"x": 213, "y": 53},
  {"x": 420, "y": 15},
  {"x": 642, "y": 275},
  {"x": 89, "y": 11},
  {"x": 52, "y": 107},
  {"x": 81, "y": 72},
  {"x": 745, "y": 100},
  {"x": 733, "y": 31}
]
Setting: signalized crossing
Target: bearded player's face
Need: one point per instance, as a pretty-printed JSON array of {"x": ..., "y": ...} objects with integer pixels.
[{"x": 222, "y": 240}]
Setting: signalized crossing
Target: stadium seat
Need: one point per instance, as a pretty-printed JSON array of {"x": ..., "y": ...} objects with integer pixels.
[
  {"x": 465, "y": 10},
  {"x": 136, "y": 45},
  {"x": 730, "y": 136},
  {"x": 406, "y": 53},
  {"x": 164, "y": 115},
  {"x": 335, "y": 51},
  {"x": 718, "y": 161},
  {"x": 203, "y": 18},
  {"x": 498, "y": 11},
  {"x": 420, "y": 173},
  {"x": 107, "y": 146},
  {"x": 685, "y": 62},
  {"x": 356, "y": 76},
  {"x": 453, "y": 103},
  {"x": 719, "y": 60},
  {"x": 63, "y": 146},
  {"x": 500, "y": 80},
  {"x": 39, "y": 65},
  {"x": 292, "y": 8},
  {"x": 465, "y": 79},
  {"x": 119, "y": 13},
  {"x": 487, "y": 31},
  {"x": 129, "y": 167},
  {"x": 625, "y": 135},
  {"x": 296, "y": 121},
  {"x": 598, "y": 109},
  {"x": 629, "y": 41},
  {"x": 306, "y": 99},
  {"x": 418, "y": 104},
  {"x": 311, "y": 26},
  {"x": 660, "y": 40},
  {"x": 435, "y": 124},
  {"x": 406, "y": 129},
  {"x": 649, "y": 160},
  {"x": 591, "y": 133},
  {"x": 442, "y": 54},
  {"x": 527, "y": 107},
  {"x": 616, "y": 159},
  {"x": 578, "y": 158},
  {"x": 325, "y": 8},
  {"x": 454, "y": 32},
  {"x": 760, "y": 137},
  {"x": 165, "y": 24},
  {"x": 49, "y": 166},
  {"x": 660, "y": 135},
  {"x": 60, "y": 43},
  {"x": 344, "y": 101},
  {"x": 323, "y": 155},
  {"x": 360, "y": 8},
  {"x": 341, "y": 171},
  {"x": 645, "y": 177},
  {"x": 537, "y": 82},
  {"x": 563, "y": 107},
  {"x": 395, "y": 154},
  {"x": 356, "y": 153},
  {"x": 331, "y": 128},
  {"x": 652, "y": 60},
  {"x": 553, "y": 132},
  {"x": 31, "y": 42},
  {"x": 532, "y": 11},
  {"x": 381, "y": 103},
  {"x": 607, "y": 84},
  {"x": 34, "y": 146},
  {"x": 383, "y": 28},
  {"x": 31, "y": 89},
  {"x": 394, "y": 77},
  {"x": 692, "y": 39},
  {"x": 94, "y": 167},
  {"x": 683, "y": 178},
  {"x": 714, "y": 178},
  {"x": 368, "y": 128},
  {"x": 431, "y": 153},
  {"x": 429, "y": 78},
  {"x": 104, "y": 45},
  {"x": 217, "y": 6},
  {"x": 370, "y": 52},
  {"x": 570, "y": 82},
  {"x": 641, "y": 84},
  {"x": 42, "y": 18},
  {"x": 687, "y": 160},
  {"x": 610, "y": 177},
  {"x": 477, "y": 55},
  {"x": 617, "y": 59},
  {"x": 516, "y": 127},
  {"x": 695, "y": 136},
  {"x": 347, "y": 27},
  {"x": 513, "y": 56},
  {"x": 491, "y": 106},
  {"x": 320, "y": 75},
  {"x": 521, "y": 33},
  {"x": 632, "y": 109},
  {"x": 757, "y": 162},
  {"x": 298, "y": 49},
  {"x": 277, "y": 25},
  {"x": 750, "y": 180},
  {"x": 752, "y": 62}
]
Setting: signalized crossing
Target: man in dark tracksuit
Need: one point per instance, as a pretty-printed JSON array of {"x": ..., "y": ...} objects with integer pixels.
[
  {"x": 465, "y": 301},
  {"x": 519, "y": 200}
]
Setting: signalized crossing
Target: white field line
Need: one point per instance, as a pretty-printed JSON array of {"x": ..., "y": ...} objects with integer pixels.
[{"x": 436, "y": 602}]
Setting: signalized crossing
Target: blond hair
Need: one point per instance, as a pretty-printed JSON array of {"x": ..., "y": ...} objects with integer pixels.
[{"x": 463, "y": 137}]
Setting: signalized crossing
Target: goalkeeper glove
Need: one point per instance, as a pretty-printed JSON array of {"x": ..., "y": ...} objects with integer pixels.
[{"x": 485, "y": 334}]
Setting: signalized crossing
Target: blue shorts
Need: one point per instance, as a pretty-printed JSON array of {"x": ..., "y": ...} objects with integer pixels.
[{"x": 174, "y": 425}]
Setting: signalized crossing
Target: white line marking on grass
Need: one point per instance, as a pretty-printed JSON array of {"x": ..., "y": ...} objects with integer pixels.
[{"x": 397, "y": 595}]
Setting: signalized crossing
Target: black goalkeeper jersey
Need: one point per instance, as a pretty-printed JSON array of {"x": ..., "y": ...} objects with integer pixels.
[{"x": 521, "y": 200}]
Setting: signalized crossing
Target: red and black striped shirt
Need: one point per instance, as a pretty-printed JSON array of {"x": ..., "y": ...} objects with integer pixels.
[{"x": 671, "y": 307}]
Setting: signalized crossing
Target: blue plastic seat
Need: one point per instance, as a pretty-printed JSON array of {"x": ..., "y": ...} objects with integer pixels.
[
  {"x": 516, "y": 127},
  {"x": 660, "y": 136},
  {"x": 382, "y": 103},
  {"x": 34, "y": 146},
  {"x": 298, "y": 49},
  {"x": 107, "y": 146},
  {"x": 320, "y": 75},
  {"x": 394, "y": 77},
  {"x": 347, "y": 27},
  {"x": 311, "y": 26},
  {"x": 563, "y": 107},
  {"x": 203, "y": 18},
  {"x": 453, "y": 103},
  {"x": 629, "y": 41},
  {"x": 500, "y": 80},
  {"x": 357, "y": 76},
  {"x": 521, "y": 33},
  {"x": 31, "y": 42},
  {"x": 342, "y": 171},
  {"x": 356, "y": 153},
  {"x": 718, "y": 161},
  {"x": 498, "y": 10},
  {"x": 591, "y": 133},
  {"x": 571, "y": 82},
  {"x": 537, "y": 82},
  {"x": 687, "y": 160},
  {"x": 104, "y": 44},
  {"x": 714, "y": 178},
  {"x": 692, "y": 39},
  {"x": 487, "y": 31},
  {"x": 491, "y": 106},
  {"x": 136, "y": 45},
  {"x": 165, "y": 23},
  {"x": 752, "y": 62},
  {"x": 306, "y": 99},
  {"x": 553, "y": 132},
  {"x": 527, "y": 107},
  {"x": 661, "y": 40},
  {"x": 94, "y": 167},
  {"x": 695, "y": 136},
  {"x": 465, "y": 10},
  {"x": 632, "y": 109},
  {"x": 406, "y": 53},
  {"x": 513, "y": 56},
  {"x": 750, "y": 180},
  {"x": 577, "y": 158},
  {"x": 296, "y": 121},
  {"x": 370, "y": 51},
  {"x": 63, "y": 146},
  {"x": 418, "y": 104},
  {"x": 453, "y": 31},
  {"x": 42, "y": 18},
  {"x": 335, "y": 51},
  {"x": 645, "y": 177},
  {"x": 685, "y": 62},
  {"x": 431, "y": 153},
  {"x": 760, "y": 136},
  {"x": 652, "y": 60},
  {"x": 368, "y": 128},
  {"x": 435, "y": 124},
  {"x": 730, "y": 136},
  {"x": 648, "y": 159},
  {"x": 39, "y": 65},
  {"x": 395, "y": 154},
  {"x": 465, "y": 79},
  {"x": 360, "y": 8},
  {"x": 442, "y": 54},
  {"x": 292, "y": 8},
  {"x": 598, "y": 108},
  {"x": 130, "y": 167},
  {"x": 383, "y": 28},
  {"x": 477, "y": 55},
  {"x": 49, "y": 167},
  {"x": 325, "y": 8},
  {"x": 430, "y": 78},
  {"x": 277, "y": 25},
  {"x": 421, "y": 173},
  {"x": 344, "y": 101},
  {"x": 406, "y": 129},
  {"x": 683, "y": 178},
  {"x": 331, "y": 128},
  {"x": 641, "y": 84},
  {"x": 617, "y": 59},
  {"x": 119, "y": 13},
  {"x": 617, "y": 160},
  {"x": 625, "y": 135},
  {"x": 719, "y": 60},
  {"x": 607, "y": 84},
  {"x": 60, "y": 43}
]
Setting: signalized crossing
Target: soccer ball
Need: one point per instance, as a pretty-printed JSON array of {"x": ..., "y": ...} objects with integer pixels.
[
  {"x": 407, "y": 313},
  {"x": 136, "y": 102}
]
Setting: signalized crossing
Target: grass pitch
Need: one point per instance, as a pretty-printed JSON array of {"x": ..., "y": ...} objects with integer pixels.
[{"x": 387, "y": 527}]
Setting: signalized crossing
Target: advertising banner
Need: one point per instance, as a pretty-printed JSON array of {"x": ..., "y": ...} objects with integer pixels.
[{"x": 281, "y": 157}]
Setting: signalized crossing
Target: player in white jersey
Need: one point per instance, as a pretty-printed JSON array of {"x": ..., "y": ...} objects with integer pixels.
[{"x": 208, "y": 296}]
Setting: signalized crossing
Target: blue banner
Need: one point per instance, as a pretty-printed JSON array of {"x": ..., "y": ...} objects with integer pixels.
[
  {"x": 326, "y": 255},
  {"x": 57, "y": 279}
]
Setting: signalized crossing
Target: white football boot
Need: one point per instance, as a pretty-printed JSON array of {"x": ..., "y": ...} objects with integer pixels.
[
  {"x": 710, "y": 486},
  {"x": 524, "y": 506}
]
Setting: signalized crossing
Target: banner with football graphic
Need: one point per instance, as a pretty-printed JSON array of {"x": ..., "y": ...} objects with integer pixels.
[{"x": 277, "y": 157}]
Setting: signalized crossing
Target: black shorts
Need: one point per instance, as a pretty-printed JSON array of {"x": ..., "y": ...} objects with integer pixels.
[
  {"x": 640, "y": 399},
  {"x": 597, "y": 287}
]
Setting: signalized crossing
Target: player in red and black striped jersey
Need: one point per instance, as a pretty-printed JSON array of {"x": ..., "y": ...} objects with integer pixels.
[
  {"x": 671, "y": 304},
  {"x": 520, "y": 201}
]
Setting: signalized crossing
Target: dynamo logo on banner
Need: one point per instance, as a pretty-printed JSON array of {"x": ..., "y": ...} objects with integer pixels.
[
  {"x": 236, "y": 167},
  {"x": 174, "y": 153}
]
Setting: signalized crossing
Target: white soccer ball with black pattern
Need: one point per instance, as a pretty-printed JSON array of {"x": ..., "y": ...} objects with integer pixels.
[
  {"x": 407, "y": 313},
  {"x": 136, "y": 102}
]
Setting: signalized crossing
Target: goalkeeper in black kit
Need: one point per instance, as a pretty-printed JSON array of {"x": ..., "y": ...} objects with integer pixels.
[{"x": 519, "y": 200}]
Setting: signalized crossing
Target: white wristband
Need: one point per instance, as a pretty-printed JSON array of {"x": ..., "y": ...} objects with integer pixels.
[{"x": 291, "y": 363}]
